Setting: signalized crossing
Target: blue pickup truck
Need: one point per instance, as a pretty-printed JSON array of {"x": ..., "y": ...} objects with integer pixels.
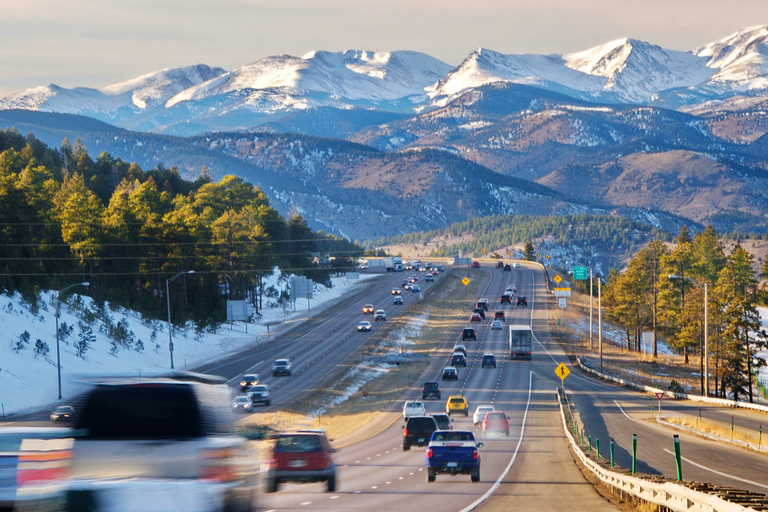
[{"x": 453, "y": 452}]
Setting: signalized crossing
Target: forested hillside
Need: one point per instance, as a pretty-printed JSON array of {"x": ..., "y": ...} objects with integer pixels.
[
  {"x": 66, "y": 218},
  {"x": 601, "y": 233}
]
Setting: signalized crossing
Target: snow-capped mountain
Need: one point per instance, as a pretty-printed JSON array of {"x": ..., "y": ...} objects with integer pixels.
[
  {"x": 739, "y": 60},
  {"x": 134, "y": 95},
  {"x": 199, "y": 99},
  {"x": 353, "y": 75}
]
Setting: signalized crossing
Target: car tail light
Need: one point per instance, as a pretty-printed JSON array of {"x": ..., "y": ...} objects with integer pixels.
[
  {"x": 43, "y": 460},
  {"x": 219, "y": 465},
  {"x": 474, "y": 453},
  {"x": 429, "y": 453},
  {"x": 405, "y": 432}
]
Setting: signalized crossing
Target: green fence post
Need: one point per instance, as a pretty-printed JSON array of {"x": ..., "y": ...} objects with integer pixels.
[
  {"x": 611, "y": 450},
  {"x": 652, "y": 407},
  {"x": 760, "y": 438},
  {"x": 597, "y": 443},
  {"x": 590, "y": 443},
  {"x": 634, "y": 452},
  {"x": 678, "y": 461},
  {"x": 582, "y": 437}
]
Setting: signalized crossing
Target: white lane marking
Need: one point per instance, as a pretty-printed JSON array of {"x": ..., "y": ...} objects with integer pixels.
[
  {"x": 374, "y": 487},
  {"x": 624, "y": 413},
  {"x": 514, "y": 455},
  {"x": 705, "y": 468},
  {"x": 334, "y": 497},
  {"x": 306, "y": 503}
]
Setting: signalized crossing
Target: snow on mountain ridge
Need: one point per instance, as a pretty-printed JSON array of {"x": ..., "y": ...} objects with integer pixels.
[{"x": 739, "y": 58}]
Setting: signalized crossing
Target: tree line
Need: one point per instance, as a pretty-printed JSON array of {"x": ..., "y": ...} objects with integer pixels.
[
  {"x": 602, "y": 233},
  {"x": 67, "y": 218},
  {"x": 662, "y": 290}
]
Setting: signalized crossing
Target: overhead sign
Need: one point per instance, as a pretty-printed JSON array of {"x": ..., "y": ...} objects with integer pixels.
[
  {"x": 561, "y": 302},
  {"x": 562, "y": 371},
  {"x": 557, "y": 279},
  {"x": 465, "y": 281},
  {"x": 562, "y": 292},
  {"x": 580, "y": 272}
]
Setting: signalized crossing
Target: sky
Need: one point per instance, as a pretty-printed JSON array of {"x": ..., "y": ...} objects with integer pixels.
[{"x": 95, "y": 43}]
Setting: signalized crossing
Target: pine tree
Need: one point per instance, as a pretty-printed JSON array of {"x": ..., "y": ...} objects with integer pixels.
[{"x": 85, "y": 338}]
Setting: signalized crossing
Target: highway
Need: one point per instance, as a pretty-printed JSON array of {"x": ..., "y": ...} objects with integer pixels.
[{"x": 526, "y": 470}]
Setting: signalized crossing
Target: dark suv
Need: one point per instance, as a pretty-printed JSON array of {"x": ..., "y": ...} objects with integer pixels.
[
  {"x": 430, "y": 389},
  {"x": 505, "y": 299},
  {"x": 480, "y": 311},
  {"x": 522, "y": 301},
  {"x": 468, "y": 334},
  {"x": 302, "y": 456},
  {"x": 458, "y": 359},
  {"x": 417, "y": 431}
]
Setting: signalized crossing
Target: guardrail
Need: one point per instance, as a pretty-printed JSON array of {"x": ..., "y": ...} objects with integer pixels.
[
  {"x": 659, "y": 491},
  {"x": 672, "y": 394}
]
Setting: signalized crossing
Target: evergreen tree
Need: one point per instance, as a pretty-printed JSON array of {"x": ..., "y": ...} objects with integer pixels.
[{"x": 529, "y": 253}]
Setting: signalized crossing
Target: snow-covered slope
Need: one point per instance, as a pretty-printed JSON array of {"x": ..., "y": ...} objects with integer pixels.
[
  {"x": 739, "y": 60},
  {"x": 353, "y": 75},
  {"x": 137, "y": 94}
]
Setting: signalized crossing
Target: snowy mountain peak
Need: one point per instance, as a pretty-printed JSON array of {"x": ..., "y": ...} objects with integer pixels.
[{"x": 739, "y": 59}]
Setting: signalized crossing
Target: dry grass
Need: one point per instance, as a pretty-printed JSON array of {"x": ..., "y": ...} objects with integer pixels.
[
  {"x": 714, "y": 429},
  {"x": 443, "y": 308}
]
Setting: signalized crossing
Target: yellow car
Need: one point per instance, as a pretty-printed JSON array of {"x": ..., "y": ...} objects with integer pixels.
[{"x": 457, "y": 403}]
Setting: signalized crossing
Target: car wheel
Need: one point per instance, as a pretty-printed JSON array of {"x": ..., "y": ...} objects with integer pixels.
[
  {"x": 406, "y": 447},
  {"x": 430, "y": 475},
  {"x": 466, "y": 413},
  {"x": 272, "y": 484},
  {"x": 475, "y": 476},
  {"x": 331, "y": 484}
]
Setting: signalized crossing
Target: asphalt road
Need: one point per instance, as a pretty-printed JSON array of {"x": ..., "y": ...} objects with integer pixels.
[{"x": 527, "y": 470}]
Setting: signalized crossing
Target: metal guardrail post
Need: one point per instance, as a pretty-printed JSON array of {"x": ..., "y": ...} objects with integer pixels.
[
  {"x": 634, "y": 453},
  {"x": 611, "y": 450}
]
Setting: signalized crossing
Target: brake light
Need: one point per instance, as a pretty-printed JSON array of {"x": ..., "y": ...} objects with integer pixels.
[
  {"x": 43, "y": 460},
  {"x": 429, "y": 453},
  {"x": 219, "y": 465},
  {"x": 405, "y": 432},
  {"x": 474, "y": 453}
]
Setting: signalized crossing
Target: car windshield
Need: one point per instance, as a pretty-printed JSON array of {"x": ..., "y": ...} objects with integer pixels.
[
  {"x": 452, "y": 436},
  {"x": 298, "y": 444},
  {"x": 495, "y": 416},
  {"x": 259, "y": 389},
  {"x": 457, "y": 400},
  {"x": 241, "y": 400}
]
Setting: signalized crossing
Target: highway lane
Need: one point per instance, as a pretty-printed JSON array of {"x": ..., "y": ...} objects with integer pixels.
[
  {"x": 322, "y": 343},
  {"x": 613, "y": 412},
  {"x": 376, "y": 474}
]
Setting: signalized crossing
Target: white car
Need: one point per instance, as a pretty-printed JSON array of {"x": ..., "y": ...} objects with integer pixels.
[
  {"x": 241, "y": 403},
  {"x": 517, "y": 265},
  {"x": 413, "y": 408},
  {"x": 380, "y": 315},
  {"x": 479, "y": 415},
  {"x": 496, "y": 325}
]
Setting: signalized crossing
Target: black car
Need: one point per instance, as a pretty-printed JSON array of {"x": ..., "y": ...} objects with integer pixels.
[
  {"x": 505, "y": 299},
  {"x": 482, "y": 304},
  {"x": 443, "y": 421},
  {"x": 417, "y": 431},
  {"x": 522, "y": 301},
  {"x": 458, "y": 359},
  {"x": 450, "y": 373},
  {"x": 468, "y": 334},
  {"x": 430, "y": 389},
  {"x": 489, "y": 360},
  {"x": 480, "y": 311},
  {"x": 507, "y": 267}
]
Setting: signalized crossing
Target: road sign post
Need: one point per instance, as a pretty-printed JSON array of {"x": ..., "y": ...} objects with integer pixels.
[
  {"x": 562, "y": 371},
  {"x": 659, "y": 396}
]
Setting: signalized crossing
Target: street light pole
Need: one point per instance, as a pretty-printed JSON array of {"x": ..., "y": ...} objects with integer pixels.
[
  {"x": 705, "y": 391},
  {"x": 58, "y": 352},
  {"x": 168, "y": 302}
]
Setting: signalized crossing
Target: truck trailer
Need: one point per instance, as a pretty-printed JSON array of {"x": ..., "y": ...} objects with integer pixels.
[{"x": 520, "y": 341}]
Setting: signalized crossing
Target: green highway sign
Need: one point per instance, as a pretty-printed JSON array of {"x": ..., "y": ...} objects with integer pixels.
[{"x": 580, "y": 272}]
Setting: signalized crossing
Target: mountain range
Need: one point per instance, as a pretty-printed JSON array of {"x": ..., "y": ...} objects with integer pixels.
[
  {"x": 198, "y": 99},
  {"x": 370, "y": 144}
]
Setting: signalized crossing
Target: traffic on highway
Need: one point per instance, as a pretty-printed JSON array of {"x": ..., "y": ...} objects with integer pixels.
[{"x": 480, "y": 427}]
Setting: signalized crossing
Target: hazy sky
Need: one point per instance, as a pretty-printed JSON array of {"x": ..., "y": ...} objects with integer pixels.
[{"x": 95, "y": 43}]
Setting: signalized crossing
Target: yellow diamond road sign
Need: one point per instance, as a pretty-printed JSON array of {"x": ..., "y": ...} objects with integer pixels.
[
  {"x": 562, "y": 371},
  {"x": 465, "y": 281},
  {"x": 558, "y": 279}
]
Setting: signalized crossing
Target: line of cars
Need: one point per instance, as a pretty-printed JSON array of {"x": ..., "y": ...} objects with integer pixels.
[{"x": 256, "y": 393}]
